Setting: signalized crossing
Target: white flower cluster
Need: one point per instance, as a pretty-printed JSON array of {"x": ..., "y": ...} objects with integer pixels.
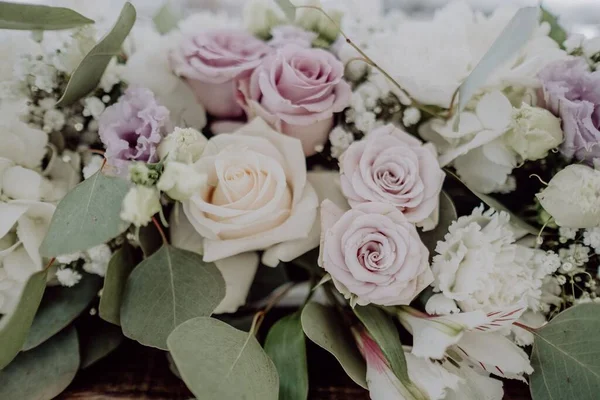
[{"x": 93, "y": 261}]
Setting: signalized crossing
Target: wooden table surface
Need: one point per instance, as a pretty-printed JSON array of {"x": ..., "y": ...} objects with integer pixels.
[{"x": 137, "y": 372}]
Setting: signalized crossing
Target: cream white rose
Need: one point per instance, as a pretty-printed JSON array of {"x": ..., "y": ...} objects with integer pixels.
[
  {"x": 534, "y": 131},
  {"x": 571, "y": 197},
  {"x": 256, "y": 196}
]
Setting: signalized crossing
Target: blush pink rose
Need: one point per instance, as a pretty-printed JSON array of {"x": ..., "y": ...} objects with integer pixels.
[
  {"x": 211, "y": 63},
  {"x": 297, "y": 90},
  {"x": 393, "y": 167},
  {"x": 373, "y": 254}
]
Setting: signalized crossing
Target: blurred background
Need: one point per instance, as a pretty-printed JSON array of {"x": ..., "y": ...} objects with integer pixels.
[{"x": 577, "y": 16}]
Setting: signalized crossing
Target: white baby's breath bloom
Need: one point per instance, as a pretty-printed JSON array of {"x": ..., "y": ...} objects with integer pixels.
[
  {"x": 140, "y": 174},
  {"x": 577, "y": 255},
  {"x": 97, "y": 259},
  {"x": 72, "y": 52},
  {"x": 591, "y": 237},
  {"x": 112, "y": 75},
  {"x": 69, "y": 258},
  {"x": 180, "y": 181},
  {"x": 184, "y": 145},
  {"x": 340, "y": 140},
  {"x": 54, "y": 120},
  {"x": 567, "y": 233},
  {"x": 94, "y": 107},
  {"x": 68, "y": 277},
  {"x": 140, "y": 204},
  {"x": 93, "y": 165},
  {"x": 411, "y": 116}
]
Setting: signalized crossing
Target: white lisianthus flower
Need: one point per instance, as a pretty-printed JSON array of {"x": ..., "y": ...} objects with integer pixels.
[
  {"x": 140, "y": 204},
  {"x": 184, "y": 145},
  {"x": 571, "y": 197},
  {"x": 534, "y": 131},
  {"x": 180, "y": 181}
]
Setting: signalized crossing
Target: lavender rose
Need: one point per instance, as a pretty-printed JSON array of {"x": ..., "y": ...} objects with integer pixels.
[
  {"x": 393, "y": 167},
  {"x": 572, "y": 92},
  {"x": 132, "y": 128},
  {"x": 290, "y": 34},
  {"x": 297, "y": 90},
  {"x": 373, "y": 253},
  {"x": 211, "y": 63}
]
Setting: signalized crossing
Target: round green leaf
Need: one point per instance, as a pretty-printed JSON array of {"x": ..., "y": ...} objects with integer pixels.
[
  {"x": 98, "y": 339},
  {"x": 36, "y": 17},
  {"x": 447, "y": 215},
  {"x": 565, "y": 356},
  {"x": 324, "y": 327},
  {"x": 60, "y": 306},
  {"x": 14, "y": 327},
  {"x": 165, "y": 290},
  {"x": 217, "y": 361},
  {"x": 87, "y": 216},
  {"x": 44, "y": 372},
  {"x": 286, "y": 346},
  {"x": 119, "y": 268}
]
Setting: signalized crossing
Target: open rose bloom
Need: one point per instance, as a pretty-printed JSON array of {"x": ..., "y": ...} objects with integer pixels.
[{"x": 421, "y": 194}]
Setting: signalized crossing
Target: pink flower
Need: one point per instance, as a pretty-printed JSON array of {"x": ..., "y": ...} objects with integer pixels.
[
  {"x": 211, "y": 63},
  {"x": 393, "y": 167},
  {"x": 373, "y": 254},
  {"x": 297, "y": 90}
]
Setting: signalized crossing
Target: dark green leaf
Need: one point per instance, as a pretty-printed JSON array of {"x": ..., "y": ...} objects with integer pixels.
[
  {"x": 14, "y": 327},
  {"x": 557, "y": 33},
  {"x": 150, "y": 239},
  {"x": 32, "y": 17},
  {"x": 286, "y": 346},
  {"x": 325, "y": 328},
  {"x": 60, "y": 306},
  {"x": 87, "y": 216},
  {"x": 165, "y": 290},
  {"x": 98, "y": 339},
  {"x": 448, "y": 215},
  {"x": 217, "y": 361},
  {"x": 381, "y": 327},
  {"x": 565, "y": 356},
  {"x": 288, "y": 9},
  {"x": 266, "y": 280},
  {"x": 119, "y": 268},
  {"x": 88, "y": 73}
]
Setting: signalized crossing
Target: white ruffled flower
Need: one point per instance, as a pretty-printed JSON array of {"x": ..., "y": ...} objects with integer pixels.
[
  {"x": 438, "y": 304},
  {"x": 140, "y": 204},
  {"x": 340, "y": 140},
  {"x": 184, "y": 145},
  {"x": 68, "y": 277},
  {"x": 591, "y": 237},
  {"x": 97, "y": 259},
  {"x": 180, "y": 181}
]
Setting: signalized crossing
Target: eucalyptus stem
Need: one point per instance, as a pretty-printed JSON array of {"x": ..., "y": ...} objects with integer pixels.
[
  {"x": 276, "y": 298},
  {"x": 160, "y": 230}
]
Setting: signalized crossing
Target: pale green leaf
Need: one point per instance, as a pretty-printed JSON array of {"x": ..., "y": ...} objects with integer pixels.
[
  {"x": 119, "y": 268},
  {"x": 565, "y": 356},
  {"x": 447, "y": 215},
  {"x": 166, "y": 18},
  {"x": 165, "y": 290},
  {"x": 288, "y": 9},
  {"x": 217, "y": 361},
  {"x": 88, "y": 73},
  {"x": 60, "y": 306},
  {"x": 557, "y": 32},
  {"x": 514, "y": 36},
  {"x": 286, "y": 346},
  {"x": 32, "y": 17},
  {"x": 325, "y": 328},
  {"x": 381, "y": 327},
  {"x": 44, "y": 372},
  {"x": 87, "y": 216},
  {"x": 97, "y": 340},
  {"x": 14, "y": 327}
]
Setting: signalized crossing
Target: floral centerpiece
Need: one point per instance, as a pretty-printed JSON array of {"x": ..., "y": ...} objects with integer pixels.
[{"x": 426, "y": 202}]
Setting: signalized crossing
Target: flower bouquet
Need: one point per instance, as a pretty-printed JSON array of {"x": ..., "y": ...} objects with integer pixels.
[{"x": 423, "y": 193}]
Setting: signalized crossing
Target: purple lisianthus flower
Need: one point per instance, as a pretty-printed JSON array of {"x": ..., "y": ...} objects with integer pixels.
[
  {"x": 572, "y": 92},
  {"x": 132, "y": 128},
  {"x": 286, "y": 34}
]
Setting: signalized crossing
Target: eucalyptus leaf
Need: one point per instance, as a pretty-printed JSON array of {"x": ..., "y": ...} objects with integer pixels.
[
  {"x": 288, "y": 9},
  {"x": 166, "y": 18},
  {"x": 87, "y": 216},
  {"x": 150, "y": 239},
  {"x": 381, "y": 327},
  {"x": 565, "y": 356},
  {"x": 97, "y": 340},
  {"x": 324, "y": 327},
  {"x": 557, "y": 32},
  {"x": 119, "y": 268},
  {"x": 286, "y": 346},
  {"x": 217, "y": 361},
  {"x": 265, "y": 281},
  {"x": 44, "y": 372},
  {"x": 447, "y": 216},
  {"x": 14, "y": 327},
  {"x": 33, "y": 17},
  {"x": 88, "y": 73},
  {"x": 514, "y": 36},
  {"x": 60, "y": 306},
  {"x": 165, "y": 290}
]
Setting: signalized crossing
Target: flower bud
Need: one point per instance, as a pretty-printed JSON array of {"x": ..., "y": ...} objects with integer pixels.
[
  {"x": 534, "y": 131},
  {"x": 180, "y": 181},
  {"x": 139, "y": 205},
  {"x": 260, "y": 16},
  {"x": 316, "y": 20},
  {"x": 183, "y": 145}
]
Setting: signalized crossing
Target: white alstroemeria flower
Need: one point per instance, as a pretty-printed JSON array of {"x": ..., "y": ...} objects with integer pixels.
[{"x": 474, "y": 385}]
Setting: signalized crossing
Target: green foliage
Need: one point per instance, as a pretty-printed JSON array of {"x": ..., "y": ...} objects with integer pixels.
[
  {"x": 97, "y": 340},
  {"x": 44, "y": 372},
  {"x": 286, "y": 346},
  {"x": 165, "y": 290},
  {"x": 87, "y": 216},
  {"x": 217, "y": 361},
  {"x": 324, "y": 327},
  {"x": 14, "y": 327},
  {"x": 565, "y": 356},
  {"x": 166, "y": 18},
  {"x": 33, "y": 17},
  {"x": 88, "y": 73},
  {"x": 60, "y": 306},
  {"x": 119, "y": 268},
  {"x": 288, "y": 9},
  {"x": 448, "y": 215}
]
